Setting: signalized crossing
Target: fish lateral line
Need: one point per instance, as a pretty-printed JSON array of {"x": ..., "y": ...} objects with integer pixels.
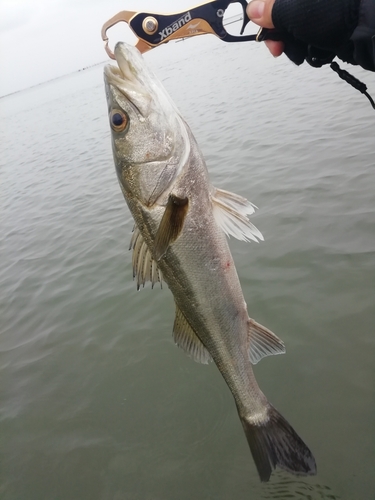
[{"x": 211, "y": 319}]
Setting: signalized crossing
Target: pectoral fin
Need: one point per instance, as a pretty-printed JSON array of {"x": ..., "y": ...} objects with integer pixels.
[
  {"x": 187, "y": 339},
  {"x": 171, "y": 224},
  {"x": 231, "y": 211},
  {"x": 144, "y": 266},
  {"x": 262, "y": 342}
]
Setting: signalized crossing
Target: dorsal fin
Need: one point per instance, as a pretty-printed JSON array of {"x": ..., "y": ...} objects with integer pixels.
[
  {"x": 262, "y": 342},
  {"x": 144, "y": 266},
  {"x": 187, "y": 339},
  {"x": 171, "y": 224},
  {"x": 231, "y": 211}
]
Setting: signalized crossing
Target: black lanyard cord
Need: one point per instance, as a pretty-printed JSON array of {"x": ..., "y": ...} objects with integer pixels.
[{"x": 354, "y": 82}]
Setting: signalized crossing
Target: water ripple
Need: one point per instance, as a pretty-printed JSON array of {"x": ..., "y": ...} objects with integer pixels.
[{"x": 96, "y": 401}]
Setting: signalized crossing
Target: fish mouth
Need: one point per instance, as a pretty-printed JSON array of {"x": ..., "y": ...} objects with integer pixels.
[
  {"x": 129, "y": 78},
  {"x": 132, "y": 85}
]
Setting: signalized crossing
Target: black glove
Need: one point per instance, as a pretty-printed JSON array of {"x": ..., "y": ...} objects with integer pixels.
[{"x": 317, "y": 30}]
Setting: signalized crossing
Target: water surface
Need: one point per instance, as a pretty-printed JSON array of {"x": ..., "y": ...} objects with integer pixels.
[{"x": 96, "y": 401}]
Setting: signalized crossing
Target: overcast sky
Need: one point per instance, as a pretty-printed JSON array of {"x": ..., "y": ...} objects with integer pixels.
[{"x": 43, "y": 39}]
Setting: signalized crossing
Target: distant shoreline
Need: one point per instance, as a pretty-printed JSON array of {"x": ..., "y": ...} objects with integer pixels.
[
  {"x": 233, "y": 19},
  {"x": 53, "y": 79}
]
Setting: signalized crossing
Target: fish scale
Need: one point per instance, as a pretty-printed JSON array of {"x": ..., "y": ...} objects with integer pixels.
[{"x": 181, "y": 226}]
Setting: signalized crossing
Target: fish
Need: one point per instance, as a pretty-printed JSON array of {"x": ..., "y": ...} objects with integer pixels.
[{"x": 180, "y": 237}]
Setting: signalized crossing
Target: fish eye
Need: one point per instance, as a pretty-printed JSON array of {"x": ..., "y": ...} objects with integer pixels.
[{"x": 119, "y": 120}]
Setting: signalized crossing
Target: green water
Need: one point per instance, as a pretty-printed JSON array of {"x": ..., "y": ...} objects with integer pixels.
[{"x": 96, "y": 402}]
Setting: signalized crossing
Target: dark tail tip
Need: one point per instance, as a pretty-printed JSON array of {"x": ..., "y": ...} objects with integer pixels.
[{"x": 275, "y": 443}]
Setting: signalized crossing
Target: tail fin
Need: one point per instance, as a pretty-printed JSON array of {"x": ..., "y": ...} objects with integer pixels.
[{"x": 274, "y": 443}]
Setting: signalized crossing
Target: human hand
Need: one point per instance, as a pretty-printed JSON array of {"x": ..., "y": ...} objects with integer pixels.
[
  {"x": 260, "y": 13},
  {"x": 311, "y": 30}
]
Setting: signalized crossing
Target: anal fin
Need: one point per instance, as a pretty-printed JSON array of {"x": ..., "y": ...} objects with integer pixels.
[
  {"x": 186, "y": 338},
  {"x": 262, "y": 342}
]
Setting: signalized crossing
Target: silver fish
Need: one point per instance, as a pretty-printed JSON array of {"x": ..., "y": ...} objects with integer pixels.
[{"x": 181, "y": 223}]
